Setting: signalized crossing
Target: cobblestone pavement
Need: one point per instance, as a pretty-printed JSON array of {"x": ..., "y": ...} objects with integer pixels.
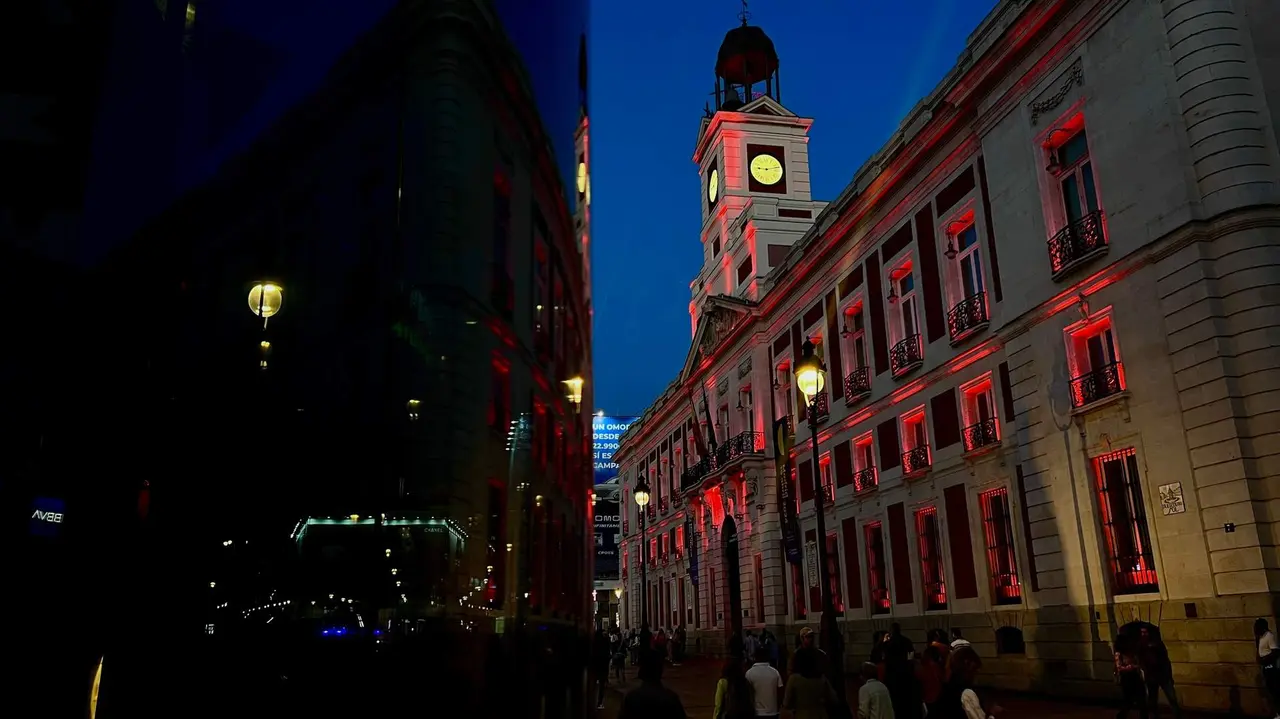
[{"x": 695, "y": 682}]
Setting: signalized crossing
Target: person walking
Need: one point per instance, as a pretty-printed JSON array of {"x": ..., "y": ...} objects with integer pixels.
[
  {"x": 900, "y": 676},
  {"x": 957, "y": 639},
  {"x": 1133, "y": 690},
  {"x": 1268, "y": 654},
  {"x": 1157, "y": 671},
  {"x": 735, "y": 698},
  {"x": 931, "y": 670},
  {"x": 600, "y": 657},
  {"x": 766, "y": 686},
  {"x": 958, "y": 699},
  {"x": 651, "y": 700},
  {"x": 808, "y": 694},
  {"x": 874, "y": 701}
]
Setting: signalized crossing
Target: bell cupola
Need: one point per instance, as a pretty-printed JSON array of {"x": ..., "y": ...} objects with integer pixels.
[{"x": 746, "y": 67}]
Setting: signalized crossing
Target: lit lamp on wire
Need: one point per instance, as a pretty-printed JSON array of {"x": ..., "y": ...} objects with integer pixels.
[
  {"x": 413, "y": 406},
  {"x": 264, "y": 302},
  {"x": 641, "y": 494},
  {"x": 573, "y": 388},
  {"x": 811, "y": 379}
]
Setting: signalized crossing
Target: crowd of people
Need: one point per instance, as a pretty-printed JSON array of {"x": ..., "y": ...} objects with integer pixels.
[{"x": 897, "y": 681}]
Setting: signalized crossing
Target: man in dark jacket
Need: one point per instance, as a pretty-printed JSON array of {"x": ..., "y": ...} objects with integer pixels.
[
  {"x": 1157, "y": 670},
  {"x": 651, "y": 700}
]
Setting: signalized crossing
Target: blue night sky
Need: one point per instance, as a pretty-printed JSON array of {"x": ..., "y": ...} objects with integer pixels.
[{"x": 855, "y": 67}]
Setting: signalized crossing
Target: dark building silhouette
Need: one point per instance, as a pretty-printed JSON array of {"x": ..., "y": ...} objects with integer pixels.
[{"x": 381, "y": 494}]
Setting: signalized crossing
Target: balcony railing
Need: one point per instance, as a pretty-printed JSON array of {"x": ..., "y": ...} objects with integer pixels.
[
  {"x": 829, "y": 494},
  {"x": 982, "y": 434},
  {"x": 819, "y": 408},
  {"x": 906, "y": 355},
  {"x": 865, "y": 479},
  {"x": 857, "y": 385},
  {"x": 664, "y": 505},
  {"x": 651, "y": 511},
  {"x": 967, "y": 317},
  {"x": 916, "y": 459},
  {"x": 1077, "y": 242},
  {"x": 736, "y": 447},
  {"x": 1097, "y": 384},
  {"x": 626, "y": 527}
]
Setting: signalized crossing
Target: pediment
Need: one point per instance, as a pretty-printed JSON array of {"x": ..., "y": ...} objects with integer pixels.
[
  {"x": 765, "y": 105},
  {"x": 719, "y": 317}
]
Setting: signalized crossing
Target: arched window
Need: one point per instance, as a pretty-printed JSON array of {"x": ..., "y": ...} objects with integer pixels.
[{"x": 1009, "y": 641}]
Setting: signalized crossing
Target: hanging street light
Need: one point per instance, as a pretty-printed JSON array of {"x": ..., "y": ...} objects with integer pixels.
[
  {"x": 265, "y": 299},
  {"x": 574, "y": 386}
]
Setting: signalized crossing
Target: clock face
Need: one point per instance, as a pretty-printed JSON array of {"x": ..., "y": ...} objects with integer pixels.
[
  {"x": 713, "y": 186},
  {"x": 766, "y": 169},
  {"x": 582, "y": 178}
]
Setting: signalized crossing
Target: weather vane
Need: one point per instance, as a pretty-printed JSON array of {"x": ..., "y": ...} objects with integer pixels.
[{"x": 745, "y": 15}]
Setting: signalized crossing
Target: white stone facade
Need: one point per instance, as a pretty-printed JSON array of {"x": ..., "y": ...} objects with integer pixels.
[{"x": 1098, "y": 360}]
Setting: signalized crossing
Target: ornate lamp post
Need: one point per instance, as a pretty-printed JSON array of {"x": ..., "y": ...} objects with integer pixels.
[
  {"x": 265, "y": 299},
  {"x": 642, "y": 499},
  {"x": 811, "y": 380}
]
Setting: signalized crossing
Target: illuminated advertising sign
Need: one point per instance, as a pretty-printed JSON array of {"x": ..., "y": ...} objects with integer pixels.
[
  {"x": 608, "y": 527},
  {"x": 47, "y": 515},
  {"x": 606, "y": 431}
]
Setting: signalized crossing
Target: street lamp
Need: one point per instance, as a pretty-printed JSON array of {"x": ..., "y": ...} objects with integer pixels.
[
  {"x": 810, "y": 380},
  {"x": 265, "y": 299},
  {"x": 574, "y": 386},
  {"x": 642, "y": 499}
]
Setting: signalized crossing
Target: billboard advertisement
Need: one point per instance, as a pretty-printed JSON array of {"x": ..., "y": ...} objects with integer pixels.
[
  {"x": 606, "y": 431},
  {"x": 608, "y": 526}
]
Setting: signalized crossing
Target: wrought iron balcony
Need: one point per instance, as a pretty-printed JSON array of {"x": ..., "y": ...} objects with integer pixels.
[
  {"x": 982, "y": 434},
  {"x": 626, "y": 527},
  {"x": 819, "y": 408},
  {"x": 906, "y": 356},
  {"x": 664, "y": 505},
  {"x": 968, "y": 316},
  {"x": 1076, "y": 243},
  {"x": 857, "y": 385},
  {"x": 651, "y": 511},
  {"x": 736, "y": 447},
  {"x": 829, "y": 494},
  {"x": 865, "y": 479},
  {"x": 1097, "y": 384},
  {"x": 916, "y": 460}
]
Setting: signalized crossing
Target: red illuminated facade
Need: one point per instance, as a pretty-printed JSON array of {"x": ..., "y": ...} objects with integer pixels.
[{"x": 1041, "y": 329}]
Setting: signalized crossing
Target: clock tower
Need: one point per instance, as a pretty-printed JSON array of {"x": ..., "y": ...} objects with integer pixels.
[{"x": 753, "y": 165}]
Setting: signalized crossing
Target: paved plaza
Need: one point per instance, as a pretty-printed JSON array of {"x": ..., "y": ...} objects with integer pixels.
[{"x": 695, "y": 682}]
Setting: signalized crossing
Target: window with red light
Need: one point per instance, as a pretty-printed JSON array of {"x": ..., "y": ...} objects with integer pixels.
[
  {"x": 495, "y": 553},
  {"x": 906, "y": 316},
  {"x": 666, "y": 547},
  {"x": 798, "y": 591},
  {"x": 502, "y": 294},
  {"x": 679, "y": 542},
  {"x": 1093, "y": 357},
  {"x": 1074, "y": 211},
  {"x": 653, "y": 551},
  {"x": 928, "y": 539},
  {"x": 833, "y": 571},
  {"x": 997, "y": 530},
  {"x": 981, "y": 426},
  {"x": 915, "y": 442},
  {"x": 853, "y": 336},
  {"x": 1073, "y": 171},
  {"x": 965, "y": 281},
  {"x": 864, "y": 462},
  {"x": 877, "y": 568},
  {"x": 785, "y": 396},
  {"x": 828, "y": 483},
  {"x": 1124, "y": 522},
  {"x": 500, "y": 398}
]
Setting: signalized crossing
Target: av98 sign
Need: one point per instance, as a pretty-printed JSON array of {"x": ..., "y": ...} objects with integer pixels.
[{"x": 606, "y": 431}]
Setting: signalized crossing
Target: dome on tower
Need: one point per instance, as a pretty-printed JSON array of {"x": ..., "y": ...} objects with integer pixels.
[{"x": 746, "y": 56}]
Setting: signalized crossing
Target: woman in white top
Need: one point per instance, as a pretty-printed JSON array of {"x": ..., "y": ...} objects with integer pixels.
[{"x": 1268, "y": 653}]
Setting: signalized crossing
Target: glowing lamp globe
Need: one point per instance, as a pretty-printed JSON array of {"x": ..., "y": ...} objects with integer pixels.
[
  {"x": 810, "y": 374},
  {"x": 574, "y": 386},
  {"x": 265, "y": 299},
  {"x": 642, "y": 493}
]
